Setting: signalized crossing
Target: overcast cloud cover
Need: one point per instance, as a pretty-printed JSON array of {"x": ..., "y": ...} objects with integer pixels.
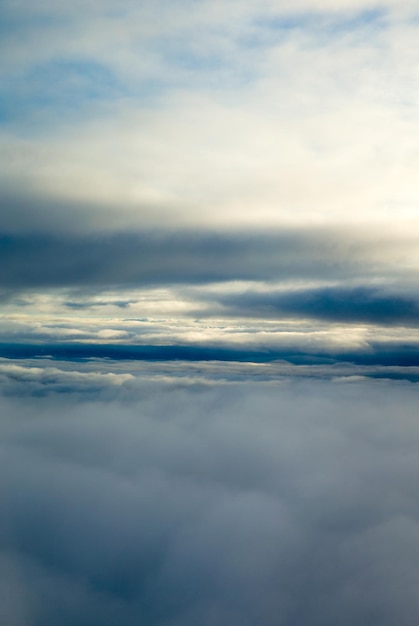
[
  {"x": 209, "y": 346},
  {"x": 164, "y": 500}
]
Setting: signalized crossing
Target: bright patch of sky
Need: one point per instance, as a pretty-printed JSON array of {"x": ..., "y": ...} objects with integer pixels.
[{"x": 60, "y": 64}]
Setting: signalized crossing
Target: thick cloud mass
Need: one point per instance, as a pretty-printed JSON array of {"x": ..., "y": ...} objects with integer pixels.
[{"x": 207, "y": 504}]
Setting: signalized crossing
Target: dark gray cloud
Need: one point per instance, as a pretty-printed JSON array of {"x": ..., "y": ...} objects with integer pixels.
[
  {"x": 384, "y": 353},
  {"x": 157, "y": 257},
  {"x": 49, "y": 243},
  {"x": 29, "y": 261},
  {"x": 89, "y": 304},
  {"x": 368, "y": 304},
  {"x": 278, "y": 504}
]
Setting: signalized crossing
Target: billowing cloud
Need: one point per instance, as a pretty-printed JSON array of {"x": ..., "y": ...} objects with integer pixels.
[{"x": 277, "y": 503}]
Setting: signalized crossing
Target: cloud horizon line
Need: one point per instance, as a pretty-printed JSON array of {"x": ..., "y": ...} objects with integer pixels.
[{"x": 375, "y": 353}]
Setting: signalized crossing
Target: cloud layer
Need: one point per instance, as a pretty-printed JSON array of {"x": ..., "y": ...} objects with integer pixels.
[{"x": 282, "y": 503}]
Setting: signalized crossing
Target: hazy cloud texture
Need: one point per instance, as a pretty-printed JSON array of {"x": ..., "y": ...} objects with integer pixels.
[{"x": 277, "y": 503}]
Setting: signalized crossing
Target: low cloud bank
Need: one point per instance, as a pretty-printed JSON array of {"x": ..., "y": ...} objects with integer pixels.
[{"x": 284, "y": 503}]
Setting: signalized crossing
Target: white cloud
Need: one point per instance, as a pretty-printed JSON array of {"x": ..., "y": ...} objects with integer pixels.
[{"x": 311, "y": 126}]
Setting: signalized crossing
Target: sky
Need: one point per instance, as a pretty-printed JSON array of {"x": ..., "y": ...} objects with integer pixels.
[{"x": 209, "y": 346}]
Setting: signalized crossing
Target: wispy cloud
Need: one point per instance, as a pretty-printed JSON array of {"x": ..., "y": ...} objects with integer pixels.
[{"x": 220, "y": 112}]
